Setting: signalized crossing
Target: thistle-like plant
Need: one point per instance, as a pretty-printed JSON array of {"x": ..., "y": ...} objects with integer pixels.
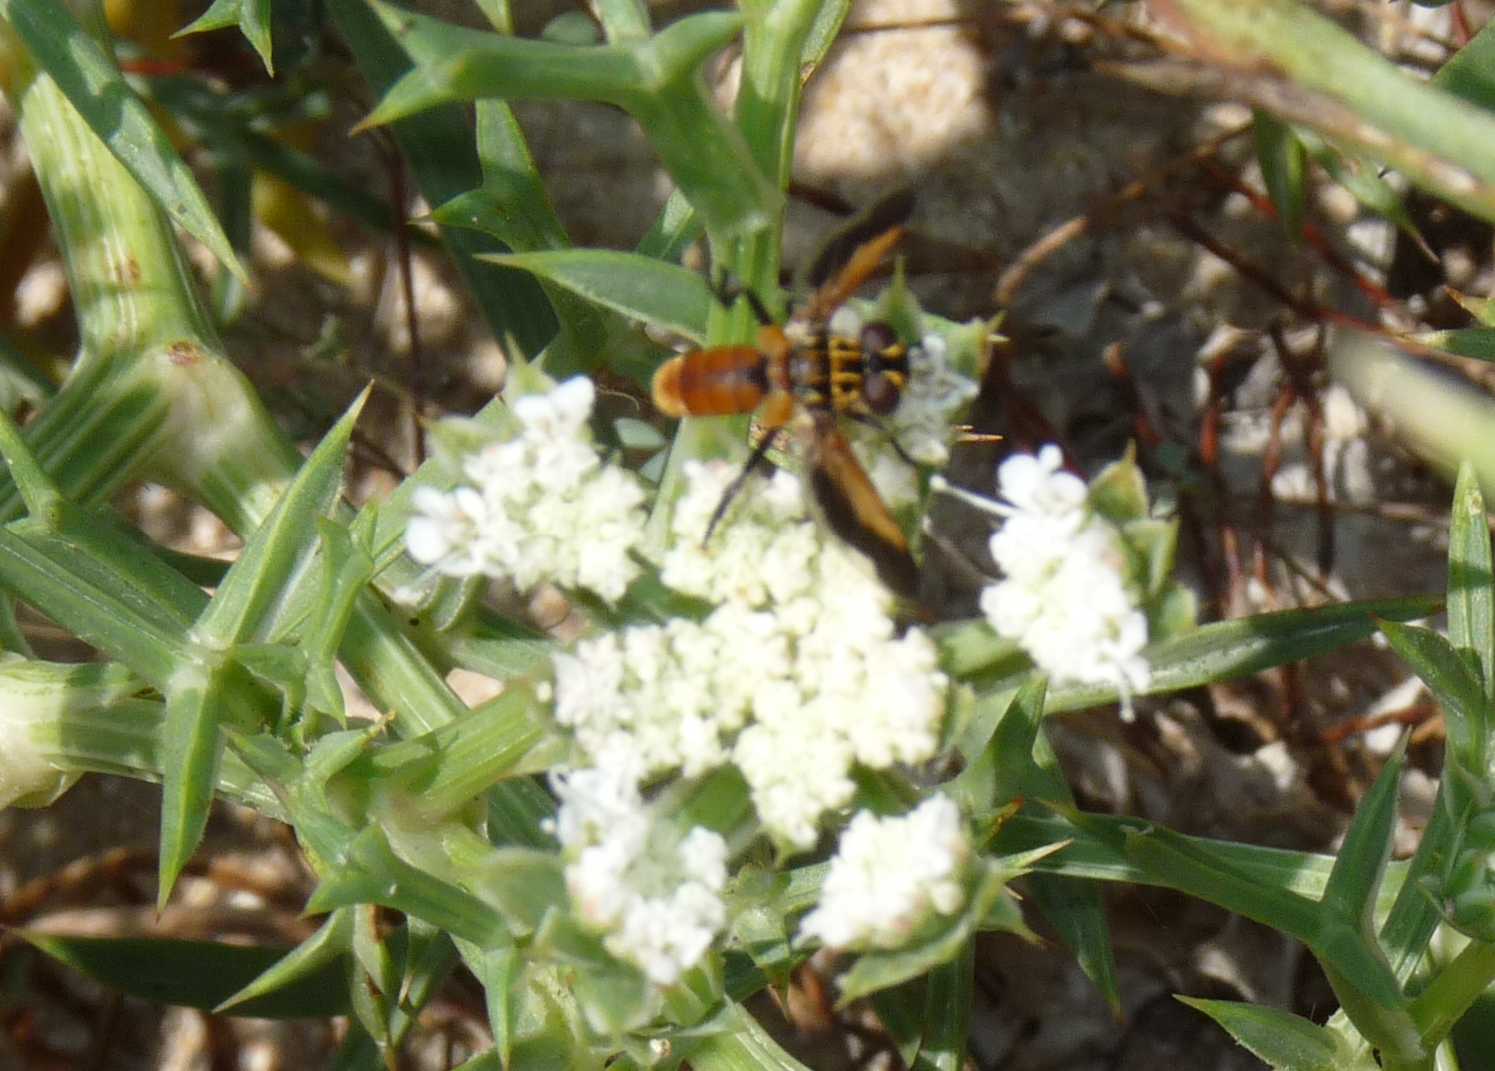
[{"x": 748, "y": 755}]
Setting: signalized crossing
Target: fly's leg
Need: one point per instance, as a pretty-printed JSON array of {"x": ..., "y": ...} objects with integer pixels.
[
  {"x": 757, "y": 460},
  {"x": 773, "y": 415},
  {"x": 727, "y": 292}
]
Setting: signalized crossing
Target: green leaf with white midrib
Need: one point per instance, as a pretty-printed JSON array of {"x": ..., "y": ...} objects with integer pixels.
[
  {"x": 1349, "y": 899},
  {"x": 658, "y": 293},
  {"x": 92, "y": 579},
  {"x": 435, "y": 774},
  {"x": 278, "y": 556},
  {"x": 1361, "y": 861},
  {"x": 55, "y": 42},
  {"x": 275, "y": 559},
  {"x": 125, "y": 738},
  {"x": 190, "y": 754}
]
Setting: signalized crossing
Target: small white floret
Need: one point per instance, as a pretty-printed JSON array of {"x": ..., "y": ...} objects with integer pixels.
[
  {"x": 541, "y": 505},
  {"x": 892, "y": 876},
  {"x": 1066, "y": 594},
  {"x": 654, "y": 895}
]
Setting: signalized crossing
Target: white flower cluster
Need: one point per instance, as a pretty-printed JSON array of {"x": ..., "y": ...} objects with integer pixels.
[
  {"x": 654, "y": 894},
  {"x": 890, "y": 876},
  {"x": 798, "y": 674},
  {"x": 1064, "y": 595},
  {"x": 541, "y": 507}
]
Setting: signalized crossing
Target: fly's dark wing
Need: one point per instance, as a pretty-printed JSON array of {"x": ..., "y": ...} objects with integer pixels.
[
  {"x": 856, "y": 512},
  {"x": 838, "y": 251}
]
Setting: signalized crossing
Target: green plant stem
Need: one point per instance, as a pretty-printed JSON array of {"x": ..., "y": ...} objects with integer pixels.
[
  {"x": 1453, "y": 990},
  {"x": 150, "y": 388},
  {"x": 767, "y": 113},
  {"x": 774, "y": 36},
  {"x": 124, "y": 738}
]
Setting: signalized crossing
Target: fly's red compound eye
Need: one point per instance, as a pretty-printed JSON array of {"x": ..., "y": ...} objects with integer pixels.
[
  {"x": 880, "y": 393},
  {"x": 879, "y": 389},
  {"x": 877, "y": 337}
]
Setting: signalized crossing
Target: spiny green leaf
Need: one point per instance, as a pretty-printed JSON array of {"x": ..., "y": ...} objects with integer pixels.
[
  {"x": 1470, "y": 72},
  {"x": 1361, "y": 862},
  {"x": 322, "y": 954},
  {"x": 190, "y": 751},
  {"x": 656, "y": 79},
  {"x": 374, "y": 874},
  {"x": 1414, "y": 916},
  {"x": 499, "y": 972},
  {"x": 1452, "y": 681},
  {"x": 251, "y": 16},
  {"x": 198, "y": 974},
  {"x": 1203, "y": 871},
  {"x": 100, "y": 584},
  {"x": 279, "y": 555},
  {"x": 1285, "y": 1041}
]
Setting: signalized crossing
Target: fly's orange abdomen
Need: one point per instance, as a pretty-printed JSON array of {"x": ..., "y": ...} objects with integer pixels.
[{"x": 714, "y": 382}]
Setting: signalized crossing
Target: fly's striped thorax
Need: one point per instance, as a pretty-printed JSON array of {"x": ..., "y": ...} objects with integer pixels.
[
  {"x": 846, "y": 369},
  {"x": 840, "y": 374},
  {"x": 807, "y": 370}
]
